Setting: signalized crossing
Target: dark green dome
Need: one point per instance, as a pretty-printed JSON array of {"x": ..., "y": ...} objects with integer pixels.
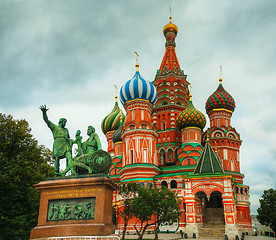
[{"x": 190, "y": 117}]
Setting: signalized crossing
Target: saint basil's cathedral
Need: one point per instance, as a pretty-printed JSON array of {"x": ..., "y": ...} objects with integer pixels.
[{"x": 161, "y": 140}]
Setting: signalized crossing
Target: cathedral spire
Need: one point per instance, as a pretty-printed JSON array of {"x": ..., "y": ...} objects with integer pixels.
[{"x": 170, "y": 62}]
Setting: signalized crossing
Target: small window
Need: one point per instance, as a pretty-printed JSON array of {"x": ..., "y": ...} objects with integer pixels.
[
  {"x": 145, "y": 155},
  {"x": 131, "y": 156},
  {"x": 218, "y": 123},
  {"x": 173, "y": 184},
  {"x": 163, "y": 126},
  {"x": 162, "y": 156},
  {"x": 183, "y": 184},
  {"x": 164, "y": 184},
  {"x": 170, "y": 153}
]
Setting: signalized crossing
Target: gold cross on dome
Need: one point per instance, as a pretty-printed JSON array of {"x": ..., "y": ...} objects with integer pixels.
[
  {"x": 116, "y": 89},
  {"x": 137, "y": 65}
]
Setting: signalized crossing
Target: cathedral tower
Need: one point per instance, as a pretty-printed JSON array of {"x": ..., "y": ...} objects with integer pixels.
[
  {"x": 139, "y": 137},
  {"x": 219, "y": 107},
  {"x": 172, "y": 98}
]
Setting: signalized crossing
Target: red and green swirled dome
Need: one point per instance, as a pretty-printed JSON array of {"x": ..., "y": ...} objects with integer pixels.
[
  {"x": 112, "y": 121},
  {"x": 190, "y": 117},
  {"x": 220, "y": 99}
]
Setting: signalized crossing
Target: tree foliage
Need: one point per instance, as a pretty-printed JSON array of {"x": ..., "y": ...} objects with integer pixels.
[
  {"x": 155, "y": 206},
  {"x": 267, "y": 210},
  {"x": 128, "y": 192},
  {"x": 23, "y": 163}
]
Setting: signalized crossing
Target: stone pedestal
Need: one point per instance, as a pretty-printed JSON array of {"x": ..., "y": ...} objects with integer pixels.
[{"x": 75, "y": 207}]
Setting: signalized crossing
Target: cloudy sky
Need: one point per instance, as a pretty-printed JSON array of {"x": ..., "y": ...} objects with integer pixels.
[{"x": 69, "y": 54}]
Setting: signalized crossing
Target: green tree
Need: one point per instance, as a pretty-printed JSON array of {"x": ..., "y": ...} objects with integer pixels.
[
  {"x": 128, "y": 192},
  {"x": 23, "y": 163},
  {"x": 155, "y": 206},
  {"x": 267, "y": 210}
]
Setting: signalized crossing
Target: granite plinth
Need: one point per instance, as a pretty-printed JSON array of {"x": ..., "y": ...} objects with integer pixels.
[{"x": 100, "y": 188}]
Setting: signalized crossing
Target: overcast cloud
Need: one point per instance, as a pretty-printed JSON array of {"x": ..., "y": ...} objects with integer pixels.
[{"x": 69, "y": 54}]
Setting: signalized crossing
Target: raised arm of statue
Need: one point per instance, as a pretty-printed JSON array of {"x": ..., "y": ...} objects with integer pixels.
[{"x": 44, "y": 109}]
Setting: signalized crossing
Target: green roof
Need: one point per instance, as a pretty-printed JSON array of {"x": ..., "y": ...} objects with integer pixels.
[{"x": 208, "y": 162}]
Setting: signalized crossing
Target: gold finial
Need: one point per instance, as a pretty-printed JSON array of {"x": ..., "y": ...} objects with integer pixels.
[
  {"x": 216, "y": 149},
  {"x": 116, "y": 88},
  {"x": 137, "y": 65},
  {"x": 170, "y": 14},
  {"x": 220, "y": 72},
  {"x": 207, "y": 137}
]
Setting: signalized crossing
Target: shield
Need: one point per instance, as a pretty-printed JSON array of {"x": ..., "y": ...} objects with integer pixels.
[{"x": 100, "y": 161}]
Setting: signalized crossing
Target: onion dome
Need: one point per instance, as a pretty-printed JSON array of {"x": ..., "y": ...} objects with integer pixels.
[
  {"x": 138, "y": 88},
  {"x": 170, "y": 27},
  {"x": 190, "y": 117},
  {"x": 117, "y": 135},
  {"x": 220, "y": 99},
  {"x": 112, "y": 121}
]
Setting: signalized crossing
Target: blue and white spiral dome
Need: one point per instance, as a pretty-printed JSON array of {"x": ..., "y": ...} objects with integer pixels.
[{"x": 138, "y": 88}]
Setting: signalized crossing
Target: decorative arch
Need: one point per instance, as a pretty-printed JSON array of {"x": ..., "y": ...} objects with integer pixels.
[
  {"x": 164, "y": 103},
  {"x": 199, "y": 187},
  {"x": 218, "y": 133},
  {"x": 232, "y": 135},
  {"x": 179, "y": 103}
]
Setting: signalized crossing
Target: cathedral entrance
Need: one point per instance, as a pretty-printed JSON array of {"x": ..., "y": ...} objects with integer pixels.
[
  {"x": 213, "y": 216},
  {"x": 215, "y": 200}
]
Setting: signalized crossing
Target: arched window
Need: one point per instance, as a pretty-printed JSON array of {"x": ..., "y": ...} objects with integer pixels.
[
  {"x": 164, "y": 184},
  {"x": 176, "y": 155},
  {"x": 183, "y": 184},
  {"x": 173, "y": 184},
  {"x": 131, "y": 157},
  {"x": 170, "y": 153},
  {"x": 163, "y": 126},
  {"x": 162, "y": 156}
]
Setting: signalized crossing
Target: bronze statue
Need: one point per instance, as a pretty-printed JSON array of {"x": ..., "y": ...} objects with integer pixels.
[
  {"x": 90, "y": 157},
  {"x": 62, "y": 147},
  {"x": 92, "y": 144}
]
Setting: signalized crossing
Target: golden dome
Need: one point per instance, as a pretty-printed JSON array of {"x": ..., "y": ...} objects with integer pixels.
[{"x": 170, "y": 27}]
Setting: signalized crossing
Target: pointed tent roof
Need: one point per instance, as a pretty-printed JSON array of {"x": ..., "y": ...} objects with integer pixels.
[
  {"x": 170, "y": 62},
  {"x": 209, "y": 161}
]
